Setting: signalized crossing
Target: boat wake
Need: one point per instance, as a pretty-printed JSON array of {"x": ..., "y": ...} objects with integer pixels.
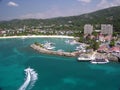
[{"x": 31, "y": 77}]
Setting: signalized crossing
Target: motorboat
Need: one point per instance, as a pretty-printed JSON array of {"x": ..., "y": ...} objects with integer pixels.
[
  {"x": 71, "y": 42},
  {"x": 84, "y": 58},
  {"x": 48, "y": 46},
  {"x": 99, "y": 61},
  {"x": 60, "y": 50},
  {"x": 80, "y": 47}
]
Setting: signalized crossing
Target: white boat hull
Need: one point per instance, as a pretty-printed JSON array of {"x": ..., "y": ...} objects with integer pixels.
[{"x": 96, "y": 62}]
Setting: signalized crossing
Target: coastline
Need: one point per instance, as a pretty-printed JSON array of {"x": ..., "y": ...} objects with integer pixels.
[{"x": 38, "y": 36}]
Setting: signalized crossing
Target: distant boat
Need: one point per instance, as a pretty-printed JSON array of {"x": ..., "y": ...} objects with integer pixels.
[
  {"x": 86, "y": 57},
  {"x": 80, "y": 47},
  {"x": 48, "y": 46},
  {"x": 71, "y": 42},
  {"x": 99, "y": 61},
  {"x": 60, "y": 50}
]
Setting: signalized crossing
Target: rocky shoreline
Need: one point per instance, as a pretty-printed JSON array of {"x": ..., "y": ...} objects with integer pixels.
[
  {"x": 109, "y": 56},
  {"x": 43, "y": 50}
]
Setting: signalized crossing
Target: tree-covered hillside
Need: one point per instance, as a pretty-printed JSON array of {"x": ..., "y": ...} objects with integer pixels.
[{"x": 107, "y": 16}]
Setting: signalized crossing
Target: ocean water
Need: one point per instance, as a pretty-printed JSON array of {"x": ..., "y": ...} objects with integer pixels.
[{"x": 22, "y": 68}]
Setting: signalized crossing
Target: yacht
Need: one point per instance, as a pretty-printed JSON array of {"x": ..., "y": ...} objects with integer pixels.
[
  {"x": 71, "y": 42},
  {"x": 48, "y": 46},
  {"x": 84, "y": 58},
  {"x": 99, "y": 61}
]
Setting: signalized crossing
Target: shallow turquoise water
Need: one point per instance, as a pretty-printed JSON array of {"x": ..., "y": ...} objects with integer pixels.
[{"x": 54, "y": 72}]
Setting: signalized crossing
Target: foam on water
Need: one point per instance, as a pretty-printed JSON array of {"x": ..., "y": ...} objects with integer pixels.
[{"x": 31, "y": 77}]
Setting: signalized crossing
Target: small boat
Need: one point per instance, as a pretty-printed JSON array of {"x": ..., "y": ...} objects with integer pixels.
[
  {"x": 71, "y": 42},
  {"x": 79, "y": 48},
  {"x": 99, "y": 61},
  {"x": 60, "y": 50},
  {"x": 48, "y": 46},
  {"x": 85, "y": 58}
]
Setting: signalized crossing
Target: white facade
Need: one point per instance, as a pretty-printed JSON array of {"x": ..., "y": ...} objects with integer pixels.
[
  {"x": 88, "y": 29},
  {"x": 107, "y": 29}
]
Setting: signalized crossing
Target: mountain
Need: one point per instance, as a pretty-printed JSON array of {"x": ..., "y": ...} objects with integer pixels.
[{"x": 105, "y": 16}]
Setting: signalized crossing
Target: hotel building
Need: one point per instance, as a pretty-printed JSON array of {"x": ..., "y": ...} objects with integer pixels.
[
  {"x": 88, "y": 29},
  {"x": 107, "y": 29}
]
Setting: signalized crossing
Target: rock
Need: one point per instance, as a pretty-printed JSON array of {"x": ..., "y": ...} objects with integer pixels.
[{"x": 112, "y": 58}]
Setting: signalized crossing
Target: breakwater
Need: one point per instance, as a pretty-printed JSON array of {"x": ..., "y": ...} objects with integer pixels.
[
  {"x": 43, "y": 50},
  {"x": 40, "y": 49}
]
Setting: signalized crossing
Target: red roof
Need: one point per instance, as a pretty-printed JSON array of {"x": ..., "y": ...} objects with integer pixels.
[
  {"x": 103, "y": 48},
  {"x": 115, "y": 49}
]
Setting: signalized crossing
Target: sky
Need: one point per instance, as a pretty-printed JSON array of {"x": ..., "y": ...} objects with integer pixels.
[{"x": 42, "y": 9}]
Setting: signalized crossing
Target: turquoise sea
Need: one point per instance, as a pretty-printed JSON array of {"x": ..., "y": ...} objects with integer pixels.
[{"x": 51, "y": 72}]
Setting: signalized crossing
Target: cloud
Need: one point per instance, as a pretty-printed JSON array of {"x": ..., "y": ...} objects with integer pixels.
[
  {"x": 43, "y": 15},
  {"x": 55, "y": 12},
  {"x": 51, "y": 13},
  {"x": 85, "y": 1},
  {"x": 12, "y": 4},
  {"x": 107, "y": 3}
]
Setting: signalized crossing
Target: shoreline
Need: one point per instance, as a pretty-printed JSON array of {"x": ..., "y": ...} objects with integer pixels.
[{"x": 37, "y": 36}]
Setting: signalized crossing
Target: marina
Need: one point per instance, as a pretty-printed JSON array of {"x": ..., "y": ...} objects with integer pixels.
[{"x": 59, "y": 45}]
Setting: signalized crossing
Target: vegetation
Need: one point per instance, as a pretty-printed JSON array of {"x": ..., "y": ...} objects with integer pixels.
[
  {"x": 108, "y": 16},
  {"x": 112, "y": 43},
  {"x": 38, "y": 44}
]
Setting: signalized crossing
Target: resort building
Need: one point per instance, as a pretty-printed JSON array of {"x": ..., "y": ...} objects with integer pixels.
[
  {"x": 88, "y": 29},
  {"x": 107, "y": 29}
]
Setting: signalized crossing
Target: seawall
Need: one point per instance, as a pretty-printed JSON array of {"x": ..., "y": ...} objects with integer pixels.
[{"x": 43, "y": 50}]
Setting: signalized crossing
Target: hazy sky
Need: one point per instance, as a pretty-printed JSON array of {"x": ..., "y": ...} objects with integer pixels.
[{"x": 14, "y": 9}]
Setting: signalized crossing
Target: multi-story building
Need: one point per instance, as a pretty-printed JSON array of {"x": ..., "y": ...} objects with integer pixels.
[
  {"x": 107, "y": 29},
  {"x": 88, "y": 29}
]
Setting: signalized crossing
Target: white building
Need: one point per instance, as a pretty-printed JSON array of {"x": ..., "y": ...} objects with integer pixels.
[
  {"x": 107, "y": 29},
  {"x": 88, "y": 29}
]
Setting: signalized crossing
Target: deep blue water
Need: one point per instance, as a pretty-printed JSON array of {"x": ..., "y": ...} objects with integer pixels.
[{"x": 54, "y": 72}]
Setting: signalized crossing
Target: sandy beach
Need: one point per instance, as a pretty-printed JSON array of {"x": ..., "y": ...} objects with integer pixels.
[{"x": 37, "y": 36}]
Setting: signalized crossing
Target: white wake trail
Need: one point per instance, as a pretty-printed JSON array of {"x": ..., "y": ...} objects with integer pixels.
[{"x": 31, "y": 77}]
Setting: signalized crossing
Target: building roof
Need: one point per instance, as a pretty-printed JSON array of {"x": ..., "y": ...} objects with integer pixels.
[
  {"x": 103, "y": 48},
  {"x": 114, "y": 49}
]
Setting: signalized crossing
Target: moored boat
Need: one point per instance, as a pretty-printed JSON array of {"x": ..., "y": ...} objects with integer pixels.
[
  {"x": 84, "y": 58},
  {"x": 48, "y": 46},
  {"x": 99, "y": 61}
]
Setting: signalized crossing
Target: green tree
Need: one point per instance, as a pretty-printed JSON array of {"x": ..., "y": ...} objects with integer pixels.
[{"x": 112, "y": 43}]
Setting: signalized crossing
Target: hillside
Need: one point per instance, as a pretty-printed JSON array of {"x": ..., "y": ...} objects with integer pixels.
[{"x": 108, "y": 16}]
